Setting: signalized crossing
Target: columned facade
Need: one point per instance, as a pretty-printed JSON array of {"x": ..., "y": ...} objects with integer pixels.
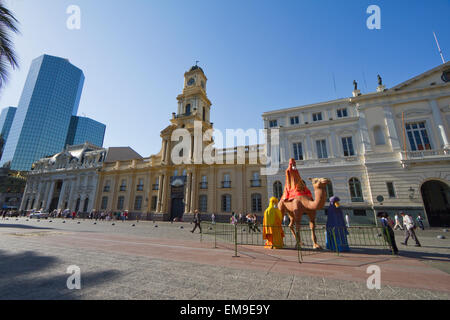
[
  {"x": 57, "y": 182},
  {"x": 383, "y": 151},
  {"x": 178, "y": 182}
]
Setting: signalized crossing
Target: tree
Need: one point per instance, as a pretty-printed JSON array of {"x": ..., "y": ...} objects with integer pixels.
[{"x": 8, "y": 58}]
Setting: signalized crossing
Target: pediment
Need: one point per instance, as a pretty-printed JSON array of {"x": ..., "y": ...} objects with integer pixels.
[{"x": 429, "y": 78}]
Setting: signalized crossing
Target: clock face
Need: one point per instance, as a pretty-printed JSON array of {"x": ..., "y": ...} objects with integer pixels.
[{"x": 191, "y": 81}]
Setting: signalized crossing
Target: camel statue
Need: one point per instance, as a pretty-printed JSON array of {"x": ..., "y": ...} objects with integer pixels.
[{"x": 297, "y": 200}]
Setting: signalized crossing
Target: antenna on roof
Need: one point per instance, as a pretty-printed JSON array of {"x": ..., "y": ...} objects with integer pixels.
[
  {"x": 364, "y": 78},
  {"x": 334, "y": 83},
  {"x": 439, "y": 48}
]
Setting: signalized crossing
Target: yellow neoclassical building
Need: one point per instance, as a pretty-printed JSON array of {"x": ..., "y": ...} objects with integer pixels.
[{"x": 160, "y": 187}]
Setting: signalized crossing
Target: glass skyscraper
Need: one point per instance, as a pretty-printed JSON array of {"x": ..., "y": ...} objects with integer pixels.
[
  {"x": 50, "y": 98},
  {"x": 6, "y": 119},
  {"x": 83, "y": 130}
]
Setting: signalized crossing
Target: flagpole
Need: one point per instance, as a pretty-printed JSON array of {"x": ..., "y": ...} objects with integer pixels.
[{"x": 439, "y": 48}]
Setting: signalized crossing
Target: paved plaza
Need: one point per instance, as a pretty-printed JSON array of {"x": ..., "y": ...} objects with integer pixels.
[{"x": 160, "y": 260}]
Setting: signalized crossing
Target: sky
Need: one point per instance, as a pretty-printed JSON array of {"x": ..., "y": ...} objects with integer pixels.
[{"x": 258, "y": 56}]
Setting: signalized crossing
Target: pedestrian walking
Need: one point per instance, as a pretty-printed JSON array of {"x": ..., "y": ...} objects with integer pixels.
[
  {"x": 388, "y": 233},
  {"x": 213, "y": 218},
  {"x": 73, "y": 215},
  {"x": 408, "y": 222},
  {"x": 419, "y": 220},
  {"x": 255, "y": 223},
  {"x": 398, "y": 225},
  {"x": 197, "y": 221}
]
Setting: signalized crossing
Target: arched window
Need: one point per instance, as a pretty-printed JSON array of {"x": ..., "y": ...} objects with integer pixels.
[
  {"x": 277, "y": 189},
  {"x": 226, "y": 203},
  {"x": 256, "y": 202},
  {"x": 188, "y": 109},
  {"x": 85, "y": 206},
  {"x": 120, "y": 201},
  {"x": 203, "y": 203},
  {"x": 329, "y": 190},
  {"x": 378, "y": 135},
  {"x": 104, "y": 203},
  {"x": 77, "y": 205},
  {"x": 138, "y": 203},
  {"x": 355, "y": 190}
]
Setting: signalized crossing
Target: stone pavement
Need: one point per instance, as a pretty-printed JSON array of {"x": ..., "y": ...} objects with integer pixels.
[{"x": 167, "y": 262}]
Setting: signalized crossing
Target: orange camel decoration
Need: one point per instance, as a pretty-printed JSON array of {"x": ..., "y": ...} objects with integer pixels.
[{"x": 297, "y": 200}]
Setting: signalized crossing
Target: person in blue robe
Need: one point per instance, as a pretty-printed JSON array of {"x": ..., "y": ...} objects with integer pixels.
[{"x": 337, "y": 232}]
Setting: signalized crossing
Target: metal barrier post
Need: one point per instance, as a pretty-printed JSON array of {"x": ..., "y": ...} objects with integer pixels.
[
  {"x": 215, "y": 236},
  {"x": 335, "y": 242},
  {"x": 235, "y": 241},
  {"x": 299, "y": 246}
]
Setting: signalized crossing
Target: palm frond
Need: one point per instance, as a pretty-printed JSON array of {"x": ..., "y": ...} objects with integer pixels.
[{"x": 8, "y": 57}]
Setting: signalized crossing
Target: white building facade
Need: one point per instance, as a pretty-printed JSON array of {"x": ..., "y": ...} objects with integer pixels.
[
  {"x": 383, "y": 151},
  {"x": 67, "y": 180}
]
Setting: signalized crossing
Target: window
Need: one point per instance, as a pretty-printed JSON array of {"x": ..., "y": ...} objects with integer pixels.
[
  {"x": 355, "y": 190},
  {"x": 107, "y": 187},
  {"x": 347, "y": 145},
  {"x": 156, "y": 185},
  {"x": 138, "y": 203},
  {"x": 342, "y": 113},
  {"x": 298, "y": 151},
  {"x": 417, "y": 136},
  {"x": 256, "y": 202},
  {"x": 378, "y": 136},
  {"x": 85, "y": 206},
  {"x": 294, "y": 120},
  {"x": 329, "y": 190},
  {"x": 256, "y": 181},
  {"x": 120, "y": 201},
  {"x": 391, "y": 190},
  {"x": 204, "y": 183},
  {"x": 203, "y": 203},
  {"x": 359, "y": 212},
  {"x": 226, "y": 183},
  {"x": 321, "y": 149},
  {"x": 273, "y": 123},
  {"x": 188, "y": 109},
  {"x": 123, "y": 185},
  {"x": 226, "y": 203},
  {"x": 140, "y": 186},
  {"x": 317, "y": 116},
  {"x": 154, "y": 202},
  {"x": 277, "y": 189},
  {"x": 104, "y": 204}
]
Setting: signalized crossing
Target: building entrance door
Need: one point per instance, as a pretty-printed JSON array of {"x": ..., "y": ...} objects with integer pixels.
[
  {"x": 436, "y": 199},
  {"x": 177, "y": 209}
]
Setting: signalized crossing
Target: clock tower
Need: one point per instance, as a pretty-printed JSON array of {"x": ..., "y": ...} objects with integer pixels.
[{"x": 193, "y": 104}]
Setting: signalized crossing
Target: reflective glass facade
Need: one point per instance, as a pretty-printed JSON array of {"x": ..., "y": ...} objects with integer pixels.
[
  {"x": 50, "y": 97},
  {"x": 83, "y": 130},
  {"x": 6, "y": 119}
]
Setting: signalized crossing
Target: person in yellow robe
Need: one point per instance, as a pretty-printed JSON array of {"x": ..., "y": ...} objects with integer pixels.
[{"x": 272, "y": 230}]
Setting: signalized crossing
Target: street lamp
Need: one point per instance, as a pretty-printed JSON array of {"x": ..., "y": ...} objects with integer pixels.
[{"x": 411, "y": 192}]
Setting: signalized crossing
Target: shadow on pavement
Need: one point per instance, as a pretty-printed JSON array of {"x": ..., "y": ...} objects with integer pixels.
[
  {"x": 26, "y": 275},
  {"x": 22, "y": 226}
]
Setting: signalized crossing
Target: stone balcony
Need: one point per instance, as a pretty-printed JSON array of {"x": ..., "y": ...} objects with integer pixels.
[{"x": 414, "y": 157}]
